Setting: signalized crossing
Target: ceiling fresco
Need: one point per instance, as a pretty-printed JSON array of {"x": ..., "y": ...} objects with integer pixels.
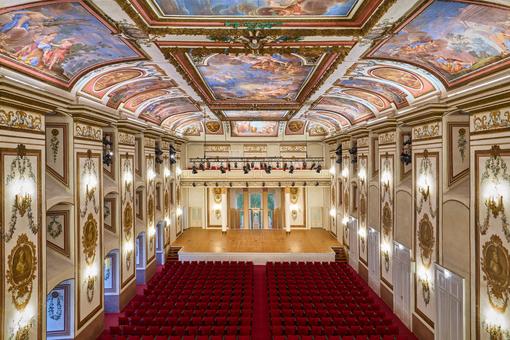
[
  {"x": 131, "y": 89},
  {"x": 390, "y": 92},
  {"x": 257, "y": 8},
  {"x": 378, "y": 102},
  {"x": 254, "y": 129},
  {"x": 59, "y": 41},
  {"x": 214, "y": 127},
  {"x": 351, "y": 110},
  {"x": 159, "y": 111},
  {"x": 456, "y": 41},
  {"x": 295, "y": 127},
  {"x": 193, "y": 130},
  {"x": 255, "y": 114},
  {"x": 317, "y": 130}
]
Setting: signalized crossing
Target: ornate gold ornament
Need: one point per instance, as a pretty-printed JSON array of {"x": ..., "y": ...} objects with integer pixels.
[
  {"x": 150, "y": 208},
  {"x": 491, "y": 120},
  {"x": 166, "y": 201},
  {"x": 88, "y": 132},
  {"x": 496, "y": 269},
  {"x": 89, "y": 239},
  {"x": 91, "y": 287},
  {"x": 494, "y": 174},
  {"x": 21, "y": 120},
  {"x": 128, "y": 220},
  {"x": 427, "y": 131},
  {"x": 346, "y": 201},
  {"x": 425, "y": 290},
  {"x": 426, "y": 240},
  {"x": 294, "y": 195},
  {"x": 23, "y": 333},
  {"x": 21, "y": 271},
  {"x": 496, "y": 332},
  {"x": 362, "y": 208},
  {"x": 387, "y": 221},
  {"x": 425, "y": 172},
  {"x": 90, "y": 176},
  {"x": 20, "y": 175},
  {"x": 217, "y": 195}
]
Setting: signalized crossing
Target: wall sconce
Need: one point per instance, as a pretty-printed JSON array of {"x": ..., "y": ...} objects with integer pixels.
[
  {"x": 90, "y": 280},
  {"x": 172, "y": 154},
  {"x": 345, "y": 172},
  {"x": 494, "y": 325},
  {"x": 494, "y": 202},
  {"x": 332, "y": 170},
  {"x": 178, "y": 171},
  {"x": 158, "y": 152},
  {"x": 23, "y": 324},
  {"x": 385, "y": 251},
  {"x": 345, "y": 220},
  {"x": 332, "y": 212},
  {"x": 151, "y": 175},
  {"x": 128, "y": 249},
  {"x": 167, "y": 173},
  {"x": 217, "y": 210},
  {"x": 385, "y": 180},
  {"x": 362, "y": 233},
  {"x": 178, "y": 211},
  {"x": 423, "y": 278},
  {"x": 362, "y": 175},
  {"x": 424, "y": 187},
  {"x": 107, "y": 151}
]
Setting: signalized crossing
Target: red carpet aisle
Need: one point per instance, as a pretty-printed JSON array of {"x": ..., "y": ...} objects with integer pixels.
[{"x": 260, "y": 310}]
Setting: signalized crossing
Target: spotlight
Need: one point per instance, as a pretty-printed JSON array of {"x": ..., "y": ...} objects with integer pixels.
[
  {"x": 172, "y": 155},
  {"x": 246, "y": 184},
  {"x": 158, "y": 153},
  {"x": 253, "y": 165},
  {"x": 235, "y": 165},
  {"x": 216, "y": 184},
  {"x": 312, "y": 166},
  {"x": 279, "y": 184},
  {"x": 194, "y": 169},
  {"x": 263, "y": 184},
  {"x": 249, "y": 167},
  {"x": 291, "y": 169},
  {"x": 208, "y": 165},
  {"x": 230, "y": 184},
  {"x": 304, "y": 164},
  {"x": 228, "y": 166},
  {"x": 201, "y": 166},
  {"x": 107, "y": 151},
  {"x": 205, "y": 184},
  {"x": 278, "y": 165},
  {"x": 245, "y": 169},
  {"x": 194, "y": 184},
  {"x": 222, "y": 169},
  {"x": 293, "y": 184},
  {"x": 268, "y": 169},
  {"x": 319, "y": 169},
  {"x": 304, "y": 184},
  {"x": 285, "y": 166},
  {"x": 316, "y": 184}
]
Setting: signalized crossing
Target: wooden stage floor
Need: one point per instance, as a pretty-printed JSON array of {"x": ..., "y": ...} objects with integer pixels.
[{"x": 198, "y": 240}]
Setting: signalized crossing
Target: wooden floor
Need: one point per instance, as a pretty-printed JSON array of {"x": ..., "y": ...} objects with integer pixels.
[{"x": 256, "y": 241}]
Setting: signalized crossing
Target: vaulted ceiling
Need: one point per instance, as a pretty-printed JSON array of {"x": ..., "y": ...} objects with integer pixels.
[{"x": 255, "y": 68}]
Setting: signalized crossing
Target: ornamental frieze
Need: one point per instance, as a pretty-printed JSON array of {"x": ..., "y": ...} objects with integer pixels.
[
  {"x": 387, "y": 138},
  {"x": 21, "y": 120},
  {"x": 165, "y": 145},
  {"x": 217, "y": 148},
  {"x": 293, "y": 148},
  {"x": 255, "y": 148},
  {"x": 346, "y": 145},
  {"x": 362, "y": 142},
  {"x": 149, "y": 143},
  {"x": 88, "y": 132},
  {"x": 126, "y": 138},
  {"x": 492, "y": 120},
  {"x": 430, "y": 130}
]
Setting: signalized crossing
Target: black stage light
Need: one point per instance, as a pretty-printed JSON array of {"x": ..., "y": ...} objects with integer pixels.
[
  {"x": 222, "y": 169},
  {"x": 316, "y": 184},
  {"x": 205, "y": 184},
  {"x": 245, "y": 169},
  {"x": 285, "y": 166},
  {"x": 278, "y": 165},
  {"x": 194, "y": 169},
  {"x": 172, "y": 155},
  {"x": 194, "y": 184},
  {"x": 235, "y": 165},
  {"x": 304, "y": 164},
  {"x": 228, "y": 166},
  {"x": 319, "y": 169},
  {"x": 312, "y": 166},
  {"x": 291, "y": 169},
  {"x": 201, "y": 166}
]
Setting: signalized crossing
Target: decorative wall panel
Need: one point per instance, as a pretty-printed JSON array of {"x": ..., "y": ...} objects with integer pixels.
[
  {"x": 57, "y": 231},
  {"x": 21, "y": 267},
  {"x": 89, "y": 236},
  {"x": 167, "y": 208},
  {"x": 57, "y": 151},
  {"x": 426, "y": 226},
  {"x": 387, "y": 192},
  {"x": 151, "y": 205},
  {"x": 109, "y": 214},
  {"x": 458, "y": 151},
  {"x": 346, "y": 195},
  {"x": 109, "y": 169},
  {"x": 58, "y": 311},
  {"x": 492, "y": 242},
  {"x": 127, "y": 217},
  {"x": 363, "y": 207}
]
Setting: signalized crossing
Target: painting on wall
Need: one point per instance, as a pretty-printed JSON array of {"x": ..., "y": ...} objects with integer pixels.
[
  {"x": 414, "y": 83},
  {"x": 193, "y": 130},
  {"x": 254, "y": 77},
  {"x": 254, "y": 129},
  {"x": 387, "y": 193},
  {"x": 110, "y": 208},
  {"x": 295, "y": 127},
  {"x": 59, "y": 41},
  {"x": 57, "y": 151},
  {"x": 349, "y": 109},
  {"x": 458, "y": 151},
  {"x": 255, "y": 114},
  {"x": 58, "y": 311},
  {"x": 57, "y": 231},
  {"x": 108, "y": 274},
  {"x": 256, "y": 8},
  {"x": 454, "y": 40}
]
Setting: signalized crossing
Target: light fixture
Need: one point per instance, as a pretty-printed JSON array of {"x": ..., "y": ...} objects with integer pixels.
[
  {"x": 194, "y": 169},
  {"x": 495, "y": 324},
  {"x": 424, "y": 187},
  {"x": 178, "y": 211},
  {"x": 332, "y": 212},
  {"x": 362, "y": 175},
  {"x": 166, "y": 173},
  {"x": 494, "y": 201},
  {"x": 151, "y": 175},
  {"x": 90, "y": 280},
  {"x": 172, "y": 153},
  {"x": 385, "y": 251},
  {"x": 294, "y": 210},
  {"x": 345, "y": 172},
  {"x": 222, "y": 169},
  {"x": 158, "y": 152},
  {"x": 362, "y": 233},
  {"x": 178, "y": 171},
  {"x": 291, "y": 169},
  {"x": 217, "y": 210},
  {"x": 319, "y": 169},
  {"x": 354, "y": 154},
  {"x": 385, "y": 180},
  {"x": 332, "y": 170},
  {"x": 424, "y": 280},
  {"x": 345, "y": 220},
  {"x": 107, "y": 151}
]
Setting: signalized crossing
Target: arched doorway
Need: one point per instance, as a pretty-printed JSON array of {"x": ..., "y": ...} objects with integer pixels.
[
  {"x": 111, "y": 281},
  {"x": 60, "y": 311},
  {"x": 140, "y": 258},
  {"x": 160, "y": 243}
]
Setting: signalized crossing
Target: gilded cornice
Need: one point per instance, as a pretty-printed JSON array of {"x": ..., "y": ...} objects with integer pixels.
[
  {"x": 490, "y": 121},
  {"x": 126, "y": 138},
  {"x": 86, "y": 131},
  {"x": 17, "y": 119},
  {"x": 217, "y": 148},
  {"x": 428, "y": 130}
]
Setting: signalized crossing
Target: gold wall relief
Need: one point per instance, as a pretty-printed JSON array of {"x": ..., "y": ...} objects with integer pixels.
[
  {"x": 294, "y": 195},
  {"x": 426, "y": 240},
  {"x": 21, "y": 120},
  {"x": 492, "y": 120},
  {"x": 496, "y": 269},
  {"x": 387, "y": 221},
  {"x": 426, "y": 131},
  {"x": 21, "y": 271},
  {"x": 88, "y": 132},
  {"x": 362, "y": 208},
  {"x": 217, "y": 195},
  {"x": 128, "y": 221},
  {"x": 21, "y": 177},
  {"x": 425, "y": 177},
  {"x": 90, "y": 238},
  {"x": 150, "y": 209},
  {"x": 494, "y": 176},
  {"x": 89, "y": 176}
]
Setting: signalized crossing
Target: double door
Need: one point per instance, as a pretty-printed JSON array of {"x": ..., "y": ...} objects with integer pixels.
[{"x": 257, "y": 208}]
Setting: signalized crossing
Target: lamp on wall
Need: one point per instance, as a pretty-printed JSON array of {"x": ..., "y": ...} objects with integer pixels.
[
  {"x": 167, "y": 173},
  {"x": 423, "y": 278},
  {"x": 217, "y": 210},
  {"x": 362, "y": 175},
  {"x": 178, "y": 171},
  {"x": 385, "y": 180},
  {"x": 385, "y": 251},
  {"x": 424, "y": 187},
  {"x": 178, "y": 211},
  {"x": 495, "y": 324},
  {"x": 332, "y": 170},
  {"x": 172, "y": 153},
  {"x": 90, "y": 281},
  {"x": 332, "y": 212},
  {"x": 494, "y": 199},
  {"x": 345, "y": 172},
  {"x": 294, "y": 210}
]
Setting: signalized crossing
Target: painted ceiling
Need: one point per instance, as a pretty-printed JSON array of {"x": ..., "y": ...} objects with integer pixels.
[{"x": 255, "y": 68}]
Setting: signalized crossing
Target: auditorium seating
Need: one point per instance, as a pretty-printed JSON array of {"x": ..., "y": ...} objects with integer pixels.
[
  {"x": 323, "y": 301},
  {"x": 214, "y": 301},
  {"x": 191, "y": 300}
]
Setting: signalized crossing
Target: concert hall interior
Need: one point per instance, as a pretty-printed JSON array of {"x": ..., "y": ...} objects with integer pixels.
[{"x": 254, "y": 169}]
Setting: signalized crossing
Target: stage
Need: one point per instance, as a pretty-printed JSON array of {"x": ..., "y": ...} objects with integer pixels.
[{"x": 258, "y": 246}]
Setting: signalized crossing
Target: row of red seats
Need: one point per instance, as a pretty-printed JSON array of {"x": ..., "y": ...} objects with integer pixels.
[
  {"x": 338, "y": 337},
  {"x": 338, "y": 321},
  {"x": 195, "y": 321},
  {"x": 180, "y": 330},
  {"x": 332, "y": 330},
  {"x": 178, "y": 337}
]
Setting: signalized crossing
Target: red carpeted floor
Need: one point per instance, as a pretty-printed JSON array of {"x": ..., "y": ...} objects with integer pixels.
[{"x": 229, "y": 301}]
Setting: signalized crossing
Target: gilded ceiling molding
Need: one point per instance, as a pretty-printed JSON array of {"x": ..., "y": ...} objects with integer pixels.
[
  {"x": 293, "y": 148},
  {"x": 86, "y": 131},
  {"x": 21, "y": 120},
  {"x": 126, "y": 138},
  {"x": 158, "y": 28},
  {"x": 217, "y": 148},
  {"x": 426, "y": 131},
  {"x": 255, "y": 148},
  {"x": 387, "y": 138},
  {"x": 492, "y": 120}
]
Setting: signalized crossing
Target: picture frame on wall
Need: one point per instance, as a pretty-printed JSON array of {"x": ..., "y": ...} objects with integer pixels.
[
  {"x": 57, "y": 141},
  {"x": 58, "y": 313},
  {"x": 57, "y": 231},
  {"x": 110, "y": 217},
  {"x": 458, "y": 151}
]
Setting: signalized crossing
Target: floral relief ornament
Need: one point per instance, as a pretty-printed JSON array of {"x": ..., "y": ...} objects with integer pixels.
[
  {"x": 21, "y": 270},
  {"x": 495, "y": 172},
  {"x": 54, "y": 227},
  {"x": 495, "y": 263},
  {"x": 461, "y": 143},
  {"x": 21, "y": 171},
  {"x": 426, "y": 171},
  {"x": 89, "y": 239},
  {"x": 426, "y": 240},
  {"x": 89, "y": 172},
  {"x": 20, "y": 120},
  {"x": 54, "y": 144}
]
